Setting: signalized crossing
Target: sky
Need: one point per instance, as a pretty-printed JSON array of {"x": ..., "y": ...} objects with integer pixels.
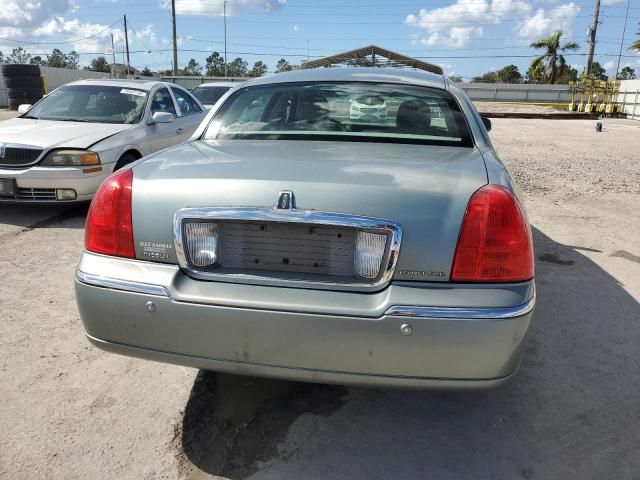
[{"x": 465, "y": 37}]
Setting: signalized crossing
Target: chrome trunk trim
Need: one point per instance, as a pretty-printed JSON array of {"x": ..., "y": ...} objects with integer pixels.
[
  {"x": 369, "y": 224},
  {"x": 463, "y": 313},
  {"x": 117, "y": 284}
]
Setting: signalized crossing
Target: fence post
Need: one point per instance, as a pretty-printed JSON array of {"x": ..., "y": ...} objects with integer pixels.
[
  {"x": 495, "y": 94},
  {"x": 635, "y": 104}
]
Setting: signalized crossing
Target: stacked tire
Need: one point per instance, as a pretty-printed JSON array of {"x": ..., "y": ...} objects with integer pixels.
[{"x": 24, "y": 84}]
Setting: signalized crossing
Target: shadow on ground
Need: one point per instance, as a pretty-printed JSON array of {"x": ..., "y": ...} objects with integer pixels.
[
  {"x": 572, "y": 411},
  {"x": 29, "y": 217}
]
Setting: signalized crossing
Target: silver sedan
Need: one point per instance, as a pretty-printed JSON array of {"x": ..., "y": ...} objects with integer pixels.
[
  {"x": 289, "y": 239},
  {"x": 64, "y": 146}
]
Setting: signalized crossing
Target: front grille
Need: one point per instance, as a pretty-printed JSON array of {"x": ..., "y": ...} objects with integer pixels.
[
  {"x": 18, "y": 155},
  {"x": 36, "y": 194},
  {"x": 282, "y": 247}
]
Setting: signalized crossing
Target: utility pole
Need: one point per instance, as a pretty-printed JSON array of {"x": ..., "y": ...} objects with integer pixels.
[
  {"x": 175, "y": 44},
  {"x": 624, "y": 30},
  {"x": 224, "y": 6},
  {"x": 592, "y": 37},
  {"x": 126, "y": 41},
  {"x": 113, "y": 54}
]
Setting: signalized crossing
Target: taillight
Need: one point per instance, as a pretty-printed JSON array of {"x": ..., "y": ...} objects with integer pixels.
[
  {"x": 495, "y": 242},
  {"x": 109, "y": 227}
]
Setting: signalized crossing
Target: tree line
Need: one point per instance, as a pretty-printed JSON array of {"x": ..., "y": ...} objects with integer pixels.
[
  {"x": 214, "y": 64},
  {"x": 551, "y": 66},
  {"x": 215, "y": 67},
  {"x": 56, "y": 59}
]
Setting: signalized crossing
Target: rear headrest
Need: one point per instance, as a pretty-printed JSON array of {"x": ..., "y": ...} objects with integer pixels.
[
  {"x": 312, "y": 107},
  {"x": 413, "y": 116}
]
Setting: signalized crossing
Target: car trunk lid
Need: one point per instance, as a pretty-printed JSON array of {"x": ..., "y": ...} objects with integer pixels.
[{"x": 425, "y": 189}]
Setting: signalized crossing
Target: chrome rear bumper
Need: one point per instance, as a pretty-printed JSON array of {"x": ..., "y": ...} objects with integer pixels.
[{"x": 391, "y": 338}]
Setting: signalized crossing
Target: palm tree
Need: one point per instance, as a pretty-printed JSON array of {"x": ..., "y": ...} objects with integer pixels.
[
  {"x": 553, "y": 57},
  {"x": 636, "y": 45}
]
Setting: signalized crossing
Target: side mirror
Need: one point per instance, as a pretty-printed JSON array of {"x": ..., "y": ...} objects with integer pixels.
[
  {"x": 487, "y": 123},
  {"x": 24, "y": 108},
  {"x": 161, "y": 117}
]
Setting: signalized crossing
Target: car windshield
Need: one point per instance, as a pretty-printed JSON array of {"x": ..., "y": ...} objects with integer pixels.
[
  {"x": 91, "y": 103},
  {"x": 209, "y": 95},
  {"x": 342, "y": 111}
]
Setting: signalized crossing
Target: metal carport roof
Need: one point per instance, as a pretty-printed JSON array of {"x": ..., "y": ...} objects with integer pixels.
[{"x": 373, "y": 56}]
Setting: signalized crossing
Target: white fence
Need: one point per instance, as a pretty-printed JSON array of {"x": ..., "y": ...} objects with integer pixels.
[
  {"x": 516, "y": 92},
  {"x": 54, "y": 77},
  {"x": 629, "y": 97}
]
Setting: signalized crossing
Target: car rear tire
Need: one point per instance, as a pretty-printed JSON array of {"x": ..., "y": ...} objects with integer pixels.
[
  {"x": 23, "y": 81},
  {"x": 125, "y": 159},
  {"x": 30, "y": 92}
]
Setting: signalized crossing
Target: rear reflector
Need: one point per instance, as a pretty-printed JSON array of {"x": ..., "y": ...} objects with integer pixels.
[
  {"x": 370, "y": 250},
  {"x": 495, "y": 242},
  {"x": 109, "y": 227}
]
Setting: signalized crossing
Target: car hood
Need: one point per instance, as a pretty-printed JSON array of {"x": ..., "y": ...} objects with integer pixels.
[
  {"x": 52, "y": 133},
  {"x": 423, "y": 188}
]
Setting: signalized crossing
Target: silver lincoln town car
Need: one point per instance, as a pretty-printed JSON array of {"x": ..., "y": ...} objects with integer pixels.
[{"x": 289, "y": 238}]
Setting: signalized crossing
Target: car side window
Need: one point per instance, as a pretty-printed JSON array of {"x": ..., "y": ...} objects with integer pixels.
[
  {"x": 187, "y": 104},
  {"x": 162, "y": 102}
]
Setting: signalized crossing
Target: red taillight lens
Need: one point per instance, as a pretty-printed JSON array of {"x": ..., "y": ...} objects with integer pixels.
[
  {"x": 495, "y": 242},
  {"x": 109, "y": 227}
]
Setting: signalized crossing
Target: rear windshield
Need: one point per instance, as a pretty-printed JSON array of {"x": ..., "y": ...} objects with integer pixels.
[{"x": 342, "y": 111}]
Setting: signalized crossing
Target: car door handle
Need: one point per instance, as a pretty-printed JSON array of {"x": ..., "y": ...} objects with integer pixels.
[{"x": 179, "y": 131}]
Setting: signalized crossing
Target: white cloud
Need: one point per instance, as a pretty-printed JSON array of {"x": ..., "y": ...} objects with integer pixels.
[
  {"x": 296, "y": 28},
  {"x": 8, "y": 32},
  {"x": 100, "y": 35},
  {"x": 609, "y": 65},
  {"x": 545, "y": 23},
  {"x": 216, "y": 7},
  {"x": 611, "y": 2},
  {"x": 455, "y": 37},
  {"x": 456, "y": 25},
  {"x": 29, "y": 13}
]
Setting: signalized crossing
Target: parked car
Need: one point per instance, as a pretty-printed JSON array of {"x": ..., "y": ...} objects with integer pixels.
[
  {"x": 64, "y": 146},
  {"x": 282, "y": 242},
  {"x": 368, "y": 108},
  {"x": 209, "y": 93}
]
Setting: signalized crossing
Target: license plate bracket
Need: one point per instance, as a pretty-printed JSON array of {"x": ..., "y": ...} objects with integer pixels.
[{"x": 8, "y": 187}]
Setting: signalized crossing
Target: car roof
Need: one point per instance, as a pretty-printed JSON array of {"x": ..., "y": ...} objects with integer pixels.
[
  {"x": 124, "y": 83},
  {"x": 355, "y": 74},
  {"x": 218, "y": 84}
]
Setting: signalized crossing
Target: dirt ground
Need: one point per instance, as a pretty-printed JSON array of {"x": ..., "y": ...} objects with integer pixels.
[
  {"x": 507, "y": 107},
  {"x": 70, "y": 411}
]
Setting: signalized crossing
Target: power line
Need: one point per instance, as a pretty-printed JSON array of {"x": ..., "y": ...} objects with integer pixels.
[
  {"x": 624, "y": 30},
  {"x": 420, "y": 5},
  {"x": 276, "y": 54},
  {"x": 73, "y": 40},
  {"x": 138, "y": 36}
]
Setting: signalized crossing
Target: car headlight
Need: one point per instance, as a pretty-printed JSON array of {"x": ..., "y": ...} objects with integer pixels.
[{"x": 70, "y": 158}]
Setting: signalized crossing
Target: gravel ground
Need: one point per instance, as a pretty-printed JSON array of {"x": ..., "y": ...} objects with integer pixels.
[{"x": 71, "y": 411}]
